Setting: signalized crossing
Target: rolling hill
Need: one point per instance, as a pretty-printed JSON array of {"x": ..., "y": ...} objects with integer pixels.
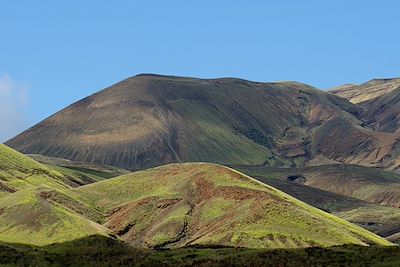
[
  {"x": 171, "y": 206},
  {"x": 33, "y": 207},
  {"x": 29, "y": 217},
  {"x": 18, "y": 171},
  {"x": 205, "y": 204}
]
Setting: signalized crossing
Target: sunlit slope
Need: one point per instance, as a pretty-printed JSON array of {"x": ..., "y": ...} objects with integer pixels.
[
  {"x": 18, "y": 171},
  {"x": 367, "y": 91},
  {"x": 29, "y": 216},
  {"x": 204, "y": 204}
]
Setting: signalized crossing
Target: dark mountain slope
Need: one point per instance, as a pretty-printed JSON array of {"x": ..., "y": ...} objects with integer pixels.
[
  {"x": 383, "y": 112},
  {"x": 151, "y": 120},
  {"x": 379, "y": 100}
]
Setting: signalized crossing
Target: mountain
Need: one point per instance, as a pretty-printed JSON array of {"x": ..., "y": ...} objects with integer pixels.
[
  {"x": 150, "y": 120},
  {"x": 383, "y": 112}
]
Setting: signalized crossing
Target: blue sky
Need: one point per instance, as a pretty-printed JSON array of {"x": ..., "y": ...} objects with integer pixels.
[{"x": 53, "y": 53}]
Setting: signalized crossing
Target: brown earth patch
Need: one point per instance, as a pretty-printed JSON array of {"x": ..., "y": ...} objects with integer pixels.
[
  {"x": 238, "y": 193},
  {"x": 118, "y": 217},
  {"x": 5, "y": 188}
]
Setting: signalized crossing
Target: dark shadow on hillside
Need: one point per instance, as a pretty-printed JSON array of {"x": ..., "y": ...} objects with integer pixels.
[{"x": 102, "y": 251}]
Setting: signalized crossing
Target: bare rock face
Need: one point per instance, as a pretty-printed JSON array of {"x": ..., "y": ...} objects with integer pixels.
[{"x": 150, "y": 120}]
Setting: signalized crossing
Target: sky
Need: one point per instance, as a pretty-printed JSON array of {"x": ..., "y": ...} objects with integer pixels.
[{"x": 53, "y": 53}]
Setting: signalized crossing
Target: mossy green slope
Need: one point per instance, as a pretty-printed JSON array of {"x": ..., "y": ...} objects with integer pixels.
[
  {"x": 205, "y": 204},
  {"x": 18, "y": 171},
  {"x": 30, "y": 217}
]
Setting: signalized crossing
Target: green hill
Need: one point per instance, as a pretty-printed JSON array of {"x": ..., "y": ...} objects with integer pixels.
[
  {"x": 18, "y": 171},
  {"x": 205, "y": 204},
  {"x": 29, "y": 217}
]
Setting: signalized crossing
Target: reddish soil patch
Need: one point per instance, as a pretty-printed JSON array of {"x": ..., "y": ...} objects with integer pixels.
[
  {"x": 117, "y": 219},
  {"x": 238, "y": 193}
]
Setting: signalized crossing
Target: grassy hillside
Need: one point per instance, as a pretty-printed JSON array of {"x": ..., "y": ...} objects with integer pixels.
[
  {"x": 204, "y": 204},
  {"x": 29, "y": 216},
  {"x": 350, "y": 192},
  {"x": 18, "y": 171}
]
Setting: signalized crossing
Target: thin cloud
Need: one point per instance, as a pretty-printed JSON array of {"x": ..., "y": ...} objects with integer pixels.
[{"x": 13, "y": 102}]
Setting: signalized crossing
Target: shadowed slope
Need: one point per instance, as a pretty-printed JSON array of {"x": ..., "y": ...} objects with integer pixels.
[
  {"x": 204, "y": 204},
  {"x": 383, "y": 112},
  {"x": 100, "y": 251}
]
